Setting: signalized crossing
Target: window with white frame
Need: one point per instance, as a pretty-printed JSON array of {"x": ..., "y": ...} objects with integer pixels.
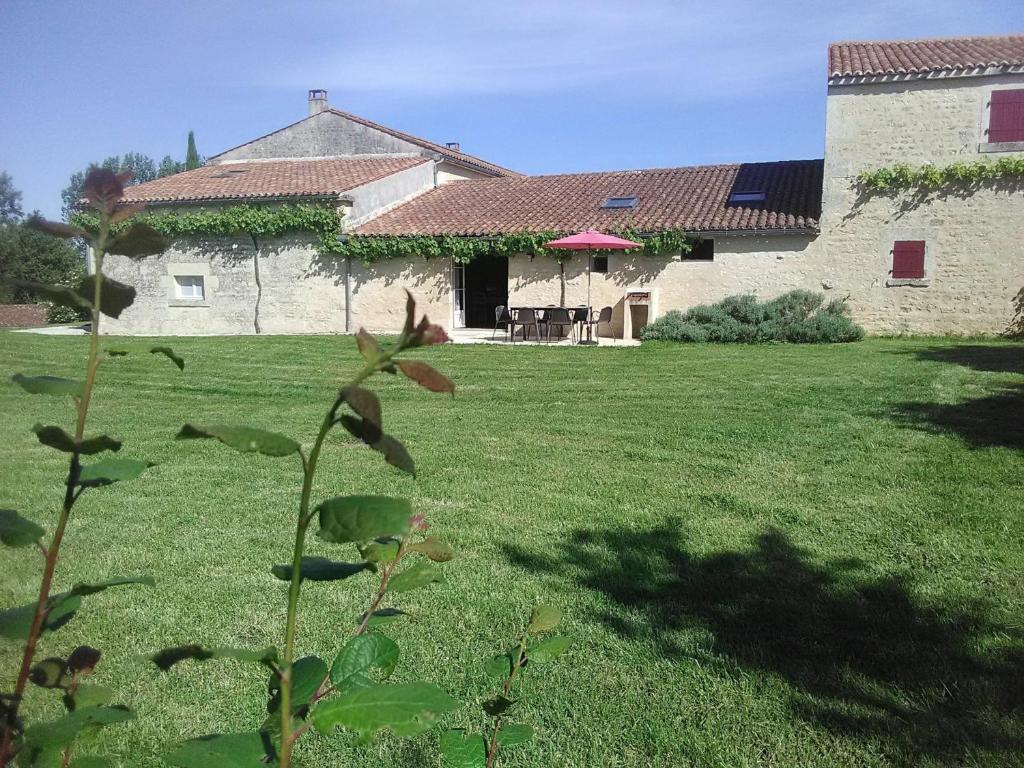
[{"x": 190, "y": 287}]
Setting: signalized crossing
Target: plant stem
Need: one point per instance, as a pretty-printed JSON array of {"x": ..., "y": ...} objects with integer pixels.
[
  {"x": 506, "y": 689},
  {"x": 53, "y": 551},
  {"x": 309, "y": 464}
]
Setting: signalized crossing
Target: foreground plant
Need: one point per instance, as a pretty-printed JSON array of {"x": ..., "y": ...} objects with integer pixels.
[
  {"x": 467, "y": 749},
  {"x": 87, "y": 705},
  {"x": 391, "y": 542}
]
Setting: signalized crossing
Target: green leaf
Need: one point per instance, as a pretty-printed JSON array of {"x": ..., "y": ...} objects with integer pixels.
[
  {"x": 169, "y": 354},
  {"x": 381, "y": 551},
  {"x": 115, "y": 297},
  {"x": 55, "y": 228},
  {"x": 48, "y": 673},
  {"x": 404, "y": 709},
  {"x": 368, "y": 346},
  {"x": 55, "y": 437},
  {"x": 382, "y": 616},
  {"x": 434, "y": 548},
  {"x": 543, "y": 618},
  {"x": 548, "y": 650},
  {"x": 56, "y": 294},
  {"x": 89, "y": 695},
  {"x": 225, "y": 750},
  {"x": 497, "y": 705},
  {"x": 244, "y": 439},
  {"x": 48, "y": 385},
  {"x": 320, "y": 569},
  {"x": 361, "y": 518},
  {"x": 513, "y": 735},
  {"x": 393, "y": 451},
  {"x": 421, "y": 574},
  {"x": 168, "y": 657},
  {"x": 360, "y": 654},
  {"x": 111, "y": 470},
  {"x": 140, "y": 239},
  {"x": 62, "y": 732},
  {"x": 463, "y": 749},
  {"x": 17, "y": 531},
  {"x": 307, "y": 674},
  {"x": 92, "y": 761},
  {"x": 364, "y": 403},
  {"x": 426, "y": 376},
  {"x": 99, "y": 586},
  {"x": 500, "y": 665}
]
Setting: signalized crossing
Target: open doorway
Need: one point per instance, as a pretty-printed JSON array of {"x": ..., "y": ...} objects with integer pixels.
[{"x": 486, "y": 288}]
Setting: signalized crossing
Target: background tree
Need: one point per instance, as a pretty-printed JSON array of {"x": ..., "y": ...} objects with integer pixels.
[
  {"x": 192, "y": 160},
  {"x": 169, "y": 166},
  {"x": 10, "y": 200},
  {"x": 143, "y": 169}
]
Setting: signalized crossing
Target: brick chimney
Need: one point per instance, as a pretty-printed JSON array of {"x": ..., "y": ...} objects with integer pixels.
[{"x": 317, "y": 100}]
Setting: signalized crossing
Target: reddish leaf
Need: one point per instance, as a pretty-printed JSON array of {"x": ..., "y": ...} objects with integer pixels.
[
  {"x": 138, "y": 240},
  {"x": 366, "y": 404},
  {"x": 367, "y": 344},
  {"x": 55, "y": 228},
  {"x": 103, "y": 188},
  {"x": 426, "y": 376},
  {"x": 126, "y": 211}
]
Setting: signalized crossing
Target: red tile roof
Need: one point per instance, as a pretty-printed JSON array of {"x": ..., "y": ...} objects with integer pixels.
[
  {"x": 269, "y": 179},
  {"x": 693, "y": 199},
  {"x": 907, "y": 57}
]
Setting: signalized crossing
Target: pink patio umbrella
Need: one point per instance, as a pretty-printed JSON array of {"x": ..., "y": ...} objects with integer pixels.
[{"x": 592, "y": 240}]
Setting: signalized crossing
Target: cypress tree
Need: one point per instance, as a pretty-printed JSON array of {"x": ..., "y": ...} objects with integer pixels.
[{"x": 192, "y": 155}]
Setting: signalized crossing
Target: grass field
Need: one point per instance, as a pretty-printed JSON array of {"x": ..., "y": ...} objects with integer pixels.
[{"x": 767, "y": 556}]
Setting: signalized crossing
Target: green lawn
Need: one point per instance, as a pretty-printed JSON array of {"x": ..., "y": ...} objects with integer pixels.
[{"x": 767, "y": 556}]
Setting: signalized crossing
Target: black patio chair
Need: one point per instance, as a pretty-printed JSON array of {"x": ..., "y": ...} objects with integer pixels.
[
  {"x": 580, "y": 315},
  {"x": 501, "y": 317},
  {"x": 525, "y": 317},
  {"x": 604, "y": 316},
  {"x": 559, "y": 316}
]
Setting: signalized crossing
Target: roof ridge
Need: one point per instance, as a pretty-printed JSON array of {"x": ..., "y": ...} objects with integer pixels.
[
  {"x": 660, "y": 169},
  {"x": 956, "y": 38}
]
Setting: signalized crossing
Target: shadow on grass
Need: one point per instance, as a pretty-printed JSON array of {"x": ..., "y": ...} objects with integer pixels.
[
  {"x": 996, "y": 419},
  {"x": 865, "y": 658},
  {"x": 1001, "y": 358},
  {"x": 993, "y": 420}
]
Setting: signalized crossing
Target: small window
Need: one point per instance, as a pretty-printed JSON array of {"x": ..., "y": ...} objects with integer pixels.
[
  {"x": 190, "y": 287},
  {"x": 620, "y": 202},
  {"x": 702, "y": 250},
  {"x": 1006, "y": 116},
  {"x": 747, "y": 196},
  {"x": 908, "y": 259},
  {"x": 600, "y": 265}
]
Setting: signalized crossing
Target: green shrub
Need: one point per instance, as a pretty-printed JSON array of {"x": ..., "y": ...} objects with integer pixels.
[{"x": 797, "y": 316}]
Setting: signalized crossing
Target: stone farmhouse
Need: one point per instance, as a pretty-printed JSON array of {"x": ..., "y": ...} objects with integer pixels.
[{"x": 949, "y": 261}]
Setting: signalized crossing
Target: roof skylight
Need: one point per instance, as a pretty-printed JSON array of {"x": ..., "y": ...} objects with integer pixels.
[
  {"x": 629, "y": 201},
  {"x": 748, "y": 196}
]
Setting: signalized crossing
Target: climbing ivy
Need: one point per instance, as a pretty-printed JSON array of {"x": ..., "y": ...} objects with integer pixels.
[
  {"x": 374, "y": 248},
  {"x": 324, "y": 222},
  {"x": 903, "y": 178}
]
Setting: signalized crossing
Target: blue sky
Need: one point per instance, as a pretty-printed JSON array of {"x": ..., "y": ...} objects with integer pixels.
[{"x": 541, "y": 87}]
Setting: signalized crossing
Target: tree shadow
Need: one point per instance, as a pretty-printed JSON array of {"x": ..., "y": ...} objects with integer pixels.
[
  {"x": 865, "y": 657},
  {"x": 997, "y": 358},
  {"x": 993, "y": 420}
]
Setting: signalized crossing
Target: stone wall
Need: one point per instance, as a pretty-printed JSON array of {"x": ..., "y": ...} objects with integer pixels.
[
  {"x": 22, "y": 315},
  {"x": 975, "y": 257}
]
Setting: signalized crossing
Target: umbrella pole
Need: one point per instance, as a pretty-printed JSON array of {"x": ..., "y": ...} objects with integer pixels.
[{"x": 590, "y": 310}]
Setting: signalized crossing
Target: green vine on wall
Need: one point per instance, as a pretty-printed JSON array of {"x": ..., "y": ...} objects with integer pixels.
[
  {"x": 324, "y": 222},
  {"x": 903, "y": 178}
]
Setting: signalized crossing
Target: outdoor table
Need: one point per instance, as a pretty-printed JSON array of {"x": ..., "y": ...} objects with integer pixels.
[{"x": 547, "y": 308}]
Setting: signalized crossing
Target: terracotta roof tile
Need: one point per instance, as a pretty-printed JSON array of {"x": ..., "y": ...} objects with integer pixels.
[
  {"x": 268, "y": 179},
  {"x": 693, "y": 199},
  {"x": 907, "y": 57}
]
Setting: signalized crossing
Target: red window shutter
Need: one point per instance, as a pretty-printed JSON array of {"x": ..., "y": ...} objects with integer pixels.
[
  {"x": 1006, "y": 116},
  {"x": 908, "y": 259}
]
